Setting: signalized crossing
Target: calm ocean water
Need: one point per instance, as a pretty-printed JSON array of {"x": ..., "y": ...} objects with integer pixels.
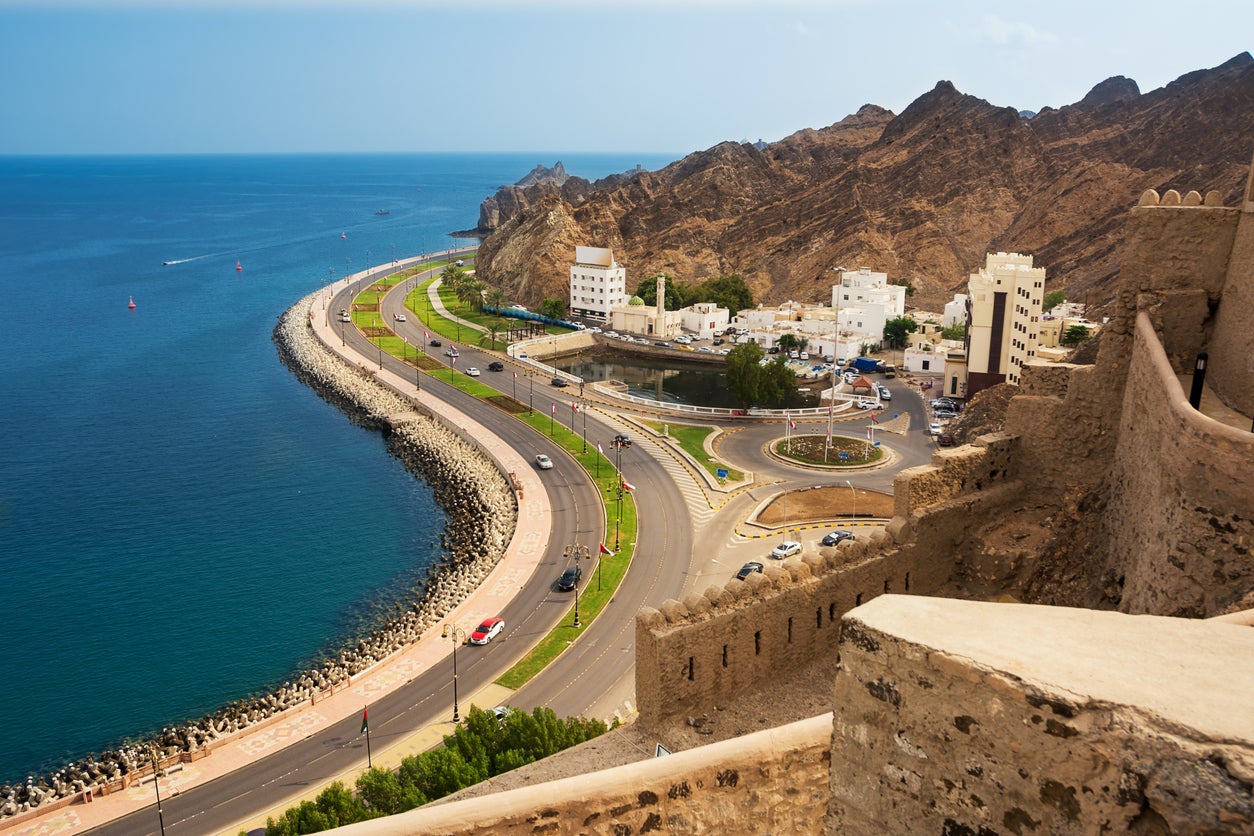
[{"x": 181, "y": 522}]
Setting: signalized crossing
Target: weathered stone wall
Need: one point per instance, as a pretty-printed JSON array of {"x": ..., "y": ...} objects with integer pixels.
[
  {"x": 769, "y": 782},
  {"x": 1232, "y": 348},
  {"x": 1180, "y": 516},
  {"x": 964, "y": 717}
]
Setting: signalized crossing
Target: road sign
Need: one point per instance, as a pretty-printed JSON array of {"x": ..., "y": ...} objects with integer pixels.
[
  {"x": 721, "y": 472},
  {"x": 844, "y": 455}
]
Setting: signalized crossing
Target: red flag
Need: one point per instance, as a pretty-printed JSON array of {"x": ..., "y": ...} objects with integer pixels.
[
  {"x": 425, "y": 335},
  {"x": 515, "y": 375},
  {"x": 453, "y": 360},
  {"x": 574, "y": 406},
  {"x": 406, "y": 339},
  {"x": 365, "y": 724},
  {"x": 599, "y": 450},
  {"x": 874, "y": 420},
  {"x": 628, "y": 486},
  {"x": 554, "y": 409},
  {"x": 604, "y": 550},
  {"x": 792, "y": 425}
]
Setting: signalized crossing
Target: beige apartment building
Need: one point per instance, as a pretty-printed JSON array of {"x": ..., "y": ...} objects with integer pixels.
[{"x": 1003, "y": 320}]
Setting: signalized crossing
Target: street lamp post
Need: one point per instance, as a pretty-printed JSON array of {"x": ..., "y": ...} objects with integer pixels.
[
  {"x": 854, "y": 491},
  {"x": 156, "y": 785},
  {"x": 618, "y": 466},
  {"x": 457, "y": 634},
  {"x": 576, "y": 552}
]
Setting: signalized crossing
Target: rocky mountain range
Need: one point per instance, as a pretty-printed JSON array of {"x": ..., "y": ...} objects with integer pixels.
[{"x": 922, "y": 195}]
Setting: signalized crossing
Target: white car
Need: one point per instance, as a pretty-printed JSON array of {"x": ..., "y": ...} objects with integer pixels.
[
  {"x": 866, "y": 403},
  {"x": 544, "y": 462},
  {"x": 885, "y": 395},
  {"x": 472, "y": 371},
  {"x": 934, "y": 429},
  {"x": 400, "y": 317},
  {"x": 594, "y": 330},
  {"x": 786, "y": 549}
]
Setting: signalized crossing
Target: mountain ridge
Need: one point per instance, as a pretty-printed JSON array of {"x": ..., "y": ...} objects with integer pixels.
[{"x": 922, "y": 195}]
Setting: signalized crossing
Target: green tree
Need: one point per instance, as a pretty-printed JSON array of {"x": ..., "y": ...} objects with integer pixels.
[
  {"x": 339, "y": 806},
  {"x": 744, "y": 374},
  {"x": 454, "y": 277},
  {"x": 553, "y": 308},
  {"x": 779, "y": 384},
  {"x": 496, "y": 298},
  {"x": 906, "y": 283},
  {"x": 676, "y": 292},
  {"x": 957, "y": 331},
  {"x": 897, "y": 329},
  {"x": 1075, "y": 335},
  {"x": 1053, "y": 299},
  {"x": 729, "y": 292}
]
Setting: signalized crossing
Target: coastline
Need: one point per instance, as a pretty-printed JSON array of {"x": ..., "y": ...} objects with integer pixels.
[{"x": 481, "y": 510}]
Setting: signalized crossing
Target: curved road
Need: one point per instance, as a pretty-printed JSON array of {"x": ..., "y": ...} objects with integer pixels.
[{"x": 601, "y": 657}]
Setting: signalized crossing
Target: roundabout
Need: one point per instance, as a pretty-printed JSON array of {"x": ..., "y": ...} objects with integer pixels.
[{"x": 837, "y": 452}]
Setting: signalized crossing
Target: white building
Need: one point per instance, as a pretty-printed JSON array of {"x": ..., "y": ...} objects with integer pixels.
[
  {"x": 597, "y": 283},
  {"x": 705, "y": 319},
  {"x": 955, "y": 311},
  {"x": 863, "y": 288},
  {"x": 635, "y": 317},
  {"x": 1003, "y": 319}
]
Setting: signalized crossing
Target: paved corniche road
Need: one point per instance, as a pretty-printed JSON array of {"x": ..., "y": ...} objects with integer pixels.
[{"x": 602, "y": 656}]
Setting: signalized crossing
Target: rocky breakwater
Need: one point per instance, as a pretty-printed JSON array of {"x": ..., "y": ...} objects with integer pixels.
[{"x": 481, "y": 510}]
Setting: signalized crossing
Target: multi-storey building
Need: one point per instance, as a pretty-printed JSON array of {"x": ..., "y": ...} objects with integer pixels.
[
  {"x": 1003, "y": 319},
  {"x": 597, "y": 283}
]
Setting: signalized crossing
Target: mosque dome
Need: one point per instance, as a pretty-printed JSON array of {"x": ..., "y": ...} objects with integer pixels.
[{"x": 636, "y": 301}]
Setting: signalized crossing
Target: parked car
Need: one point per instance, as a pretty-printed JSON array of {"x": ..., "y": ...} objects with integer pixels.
[
  {"x": 945, "y": 440},
  {"x": 436, "y": 343},
  {"x": 518, "y": 307},
  {"x": 805, "y": 355},
  {"x": 487, "y": 631},
  {"x": 622, "y": 440},
  {"x": 945, "y": 413},
  {"x": 836, "y": 538},
  {"x": 748, "y": 569},
  {"x": 543, "y": 462},
  {"x": 473, "y": 371},
  {"x": 559, "y": 382},
  {"x": 867, "y": 403},
  {"x": 942, "y": 403},
  {"x": 594, "y": 330},
  {"x": 663, "y": 344},
  {"x": 570, "y": 578},
  {"x": 772, "y": 350},
  {"x": 786, "y": 549},
  {"x": 717, "y": 341},
  {"x": 496, "y": 366},
  {"x": 934, "y": 429}
]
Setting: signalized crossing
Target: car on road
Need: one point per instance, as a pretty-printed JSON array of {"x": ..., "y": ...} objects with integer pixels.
[
  {"x": 570, "y": 578},
  {"x": 885, "y": 395},
  {"x": 836, "y": 537},
  {"x": 663, "y": 344},
  {"x": 935, "y": 429},
  {"x": 748, "y": 569},
  {"x": 502, "y": 711},
  {"x": 559, "y": 382},
  {"x": 945, "y": 413},
  {"x": 452, "y": 352},
  {"x": 786, "y": 549},
  {"x": 543, "y": 462},
  {"x": 867, "y": 403},
  {"x": 435, "y": 343},
  {"x": 496, "y": 366},
  {"x": 345, "y": 318},
  {"x": 400, "y": 317},
  {"x": 473, "y": 371},
  {"x": 487, "y": 631},
  {"x": 622, "y": 440},
  {"x": 945, "y": 439}
]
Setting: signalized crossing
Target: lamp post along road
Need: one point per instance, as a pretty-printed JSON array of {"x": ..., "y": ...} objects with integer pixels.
[{"x": 457, "y": 634}]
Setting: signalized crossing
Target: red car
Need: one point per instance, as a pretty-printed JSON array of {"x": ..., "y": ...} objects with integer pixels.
[{"x": 487, "y": 631}]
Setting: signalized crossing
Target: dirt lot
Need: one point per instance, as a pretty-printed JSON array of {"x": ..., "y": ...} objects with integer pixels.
[{"x": 825, "y": 503}]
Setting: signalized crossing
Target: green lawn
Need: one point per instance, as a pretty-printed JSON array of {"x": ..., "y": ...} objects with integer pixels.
[{"x": 692, "y": 441}]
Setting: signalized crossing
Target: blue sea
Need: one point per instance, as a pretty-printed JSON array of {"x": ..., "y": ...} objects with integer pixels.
[{"x": 182, "y": 523}]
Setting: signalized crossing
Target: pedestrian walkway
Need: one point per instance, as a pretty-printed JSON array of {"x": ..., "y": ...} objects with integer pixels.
[{"x": 437, "y": 304}]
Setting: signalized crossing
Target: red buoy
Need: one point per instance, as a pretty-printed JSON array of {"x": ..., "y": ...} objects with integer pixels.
[
  {"x": 131, "y": 304},
  {"x": 343, "y": 234},
  {"x": 239, "y": 267}
]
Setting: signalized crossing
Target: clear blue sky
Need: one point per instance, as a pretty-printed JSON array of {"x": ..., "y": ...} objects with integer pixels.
[{"x": 95, "y": 76}]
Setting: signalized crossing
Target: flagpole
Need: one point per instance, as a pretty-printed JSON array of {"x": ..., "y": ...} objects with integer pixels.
[{"x": 365, "y": 725}]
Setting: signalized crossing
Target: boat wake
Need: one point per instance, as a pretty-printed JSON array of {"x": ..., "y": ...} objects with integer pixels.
[{"x": 183, "y": 260}]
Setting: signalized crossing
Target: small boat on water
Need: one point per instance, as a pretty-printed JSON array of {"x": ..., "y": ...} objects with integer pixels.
[
  {"x": 343, "y": 234},
  {"x": 383, "y": 212}
]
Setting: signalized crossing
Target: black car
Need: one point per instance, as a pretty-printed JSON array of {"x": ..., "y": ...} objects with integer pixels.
[
  {"x": 622, "y": 440},
  {"x": 496, "y": 366},
  {"x": 717, "y": 341},
  {"x": 559, "y": 382},
  {"x": 748, "y": 569},
  {"x": 837, "y": 537},
  {"x": 436, "y": 343},
  {"x": 570, "y": 578}
]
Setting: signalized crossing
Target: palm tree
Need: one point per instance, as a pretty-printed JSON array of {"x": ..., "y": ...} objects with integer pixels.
[{"x": 496, "y": 298}]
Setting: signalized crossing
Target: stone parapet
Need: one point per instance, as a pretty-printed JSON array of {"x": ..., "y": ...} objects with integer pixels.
[{"x": 965, "y": 717}]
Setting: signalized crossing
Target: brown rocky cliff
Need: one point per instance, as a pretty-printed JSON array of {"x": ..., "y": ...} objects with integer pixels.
[{"x": 922, "y": 195}]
